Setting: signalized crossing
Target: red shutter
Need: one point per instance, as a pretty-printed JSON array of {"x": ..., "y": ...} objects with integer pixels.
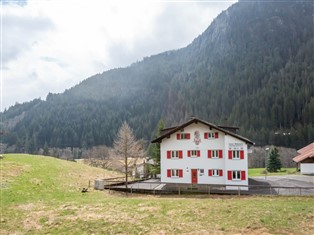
[
  {"x": 180, "y": 154},
  {"x": 242, "y": 175},
  {"x": 209, "y": 154},
  {"x": 220, "y": 172},
  {"x": 180, "y": 173},
  {"x": 216, "y": 135},
  {"x": 205, "y": 135},
  {"x": 229, "y": 175},
  {"x": 220, "y": 153},
  {"x": 230, "y": 154},
  {"x": 188, "y": 136},
  {"x": 178, "y": 136},
  {"x": 242, "y": 154},
  {"x": 198, "y": 153},
  {"x": 168, "y": 154},
  {"x": 168, "y": 173},
  {"x": 189, "y": 153},
  {"x": 210, "y": 172}
]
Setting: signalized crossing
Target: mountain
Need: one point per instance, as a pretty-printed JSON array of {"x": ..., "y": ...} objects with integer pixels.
[{"x": 251, "y": 68}]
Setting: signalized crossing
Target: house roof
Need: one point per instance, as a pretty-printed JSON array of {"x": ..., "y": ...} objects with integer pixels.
[
  {"x": 305, "y": 153},
  {"x": 168, "y": 131}
]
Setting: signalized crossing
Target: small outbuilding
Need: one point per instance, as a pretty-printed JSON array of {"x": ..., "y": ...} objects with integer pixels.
[{"x": 305, "y": 159}]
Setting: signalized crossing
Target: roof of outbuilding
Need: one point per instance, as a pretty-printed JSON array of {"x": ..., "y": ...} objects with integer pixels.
[
  {"x": 168, "y": 131},
  {"x": 304, "y": 153}
]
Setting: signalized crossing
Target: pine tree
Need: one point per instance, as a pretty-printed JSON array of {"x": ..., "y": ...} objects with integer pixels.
[
  {"x": 155, "y": 151},
  {"x": 274, "y": 163},
  {"x": 46, "y": 149}
]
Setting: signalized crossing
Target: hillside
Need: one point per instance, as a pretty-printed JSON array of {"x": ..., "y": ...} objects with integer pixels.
[
  {"x": 251, "y": 68},
  {"x": 41, "y": 195}
]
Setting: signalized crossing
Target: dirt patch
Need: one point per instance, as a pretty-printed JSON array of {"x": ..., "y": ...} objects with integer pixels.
[
  {"x": 26, "y": 207},
  {"x": 37, "y": 216}
]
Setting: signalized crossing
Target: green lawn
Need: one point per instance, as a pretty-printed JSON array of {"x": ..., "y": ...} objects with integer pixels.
[
  {"x": 41, "y": 195},
  {"x": 261, "y": 172}
]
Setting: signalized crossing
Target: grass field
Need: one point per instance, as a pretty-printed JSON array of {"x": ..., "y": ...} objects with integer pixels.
[
  {"x": 261, "y": 172},
  {"x": 42, "y": 195}
]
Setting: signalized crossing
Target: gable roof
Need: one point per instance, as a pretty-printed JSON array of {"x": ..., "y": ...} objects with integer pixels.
[
  {"x": 304, "y": 153},
  {"x": 168, "y": 131}
]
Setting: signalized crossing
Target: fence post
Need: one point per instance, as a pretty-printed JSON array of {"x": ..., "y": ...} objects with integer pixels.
[
  {"x": 270, "y": 190},
  {"x": 179, "y": 190},
  {"x": 300, "y": 192},
  {"x": 239, "y": 191}
]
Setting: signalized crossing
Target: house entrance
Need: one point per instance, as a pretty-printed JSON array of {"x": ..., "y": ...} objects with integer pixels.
[{"x": 194, "y": 176}]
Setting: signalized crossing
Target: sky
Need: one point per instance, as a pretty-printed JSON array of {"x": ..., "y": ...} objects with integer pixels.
[{"x": 48, "y": 46}]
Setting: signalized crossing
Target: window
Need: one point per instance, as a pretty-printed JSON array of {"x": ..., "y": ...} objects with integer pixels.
[
  {"x": 217, "y": 153},
  {"x": 176, "y": 154},
  {"x": 201, "y": 171},
  {"x": 176, "y": 173},
  {"x": 215, "y": 172},
  {"x": 236, "y": 175},
  {"x": 211, "y": 135},
  {"x": 236, "y": 154},
  {"x": 182, "y": 136},
  {"x": 194, "y": 153}
]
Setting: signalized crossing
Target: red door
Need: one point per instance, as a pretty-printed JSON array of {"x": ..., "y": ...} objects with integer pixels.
[{"x": 194, "y": 176}]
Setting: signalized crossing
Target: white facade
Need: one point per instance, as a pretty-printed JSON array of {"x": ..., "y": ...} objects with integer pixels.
[
  {"x": 212, "y": 162},
  {"x": 307, "y": 168}
]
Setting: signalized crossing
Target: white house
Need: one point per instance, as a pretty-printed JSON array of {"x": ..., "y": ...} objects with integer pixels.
[
  {"x": 305, "y": 159},
  {"x": 199, "y": 152}
]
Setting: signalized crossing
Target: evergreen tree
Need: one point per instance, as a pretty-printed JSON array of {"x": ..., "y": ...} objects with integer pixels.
[
  {"x": 46, "y": 149},
  {"x": 155, "y": 151},
  {"x": 274, "y": 163}
]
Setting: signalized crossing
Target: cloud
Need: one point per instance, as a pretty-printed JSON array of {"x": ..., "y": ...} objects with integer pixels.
[
  {"x": 50, "y": 46},
  {"x": 21, "y": 31}
]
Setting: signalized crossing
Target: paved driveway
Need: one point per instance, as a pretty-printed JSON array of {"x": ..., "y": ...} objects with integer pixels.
[
  {"x": 298, "y": 185},
  {"x": 299, "y": 182}
]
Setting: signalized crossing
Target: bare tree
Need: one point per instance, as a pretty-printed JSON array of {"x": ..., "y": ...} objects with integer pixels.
[
  {"x": 126, "y": 146},
  {"x": 98, "y": 156}
]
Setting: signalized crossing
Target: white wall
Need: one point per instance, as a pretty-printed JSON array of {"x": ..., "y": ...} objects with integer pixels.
[
  {"x": 232, "y": 143},
  {"x": 307, "y": 168},
  {"x": 202, "y": 162}
]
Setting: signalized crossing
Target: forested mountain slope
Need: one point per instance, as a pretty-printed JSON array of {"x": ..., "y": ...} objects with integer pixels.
[{"x": 251, "y": 68}]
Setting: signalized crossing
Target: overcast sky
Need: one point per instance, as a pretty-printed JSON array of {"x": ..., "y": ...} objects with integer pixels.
[{"x": 52, "y": 45}]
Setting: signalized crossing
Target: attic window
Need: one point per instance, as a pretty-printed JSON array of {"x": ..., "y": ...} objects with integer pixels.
[
  {"x": 211, "y": 135},
  {"x": 182, "y": 136}
]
